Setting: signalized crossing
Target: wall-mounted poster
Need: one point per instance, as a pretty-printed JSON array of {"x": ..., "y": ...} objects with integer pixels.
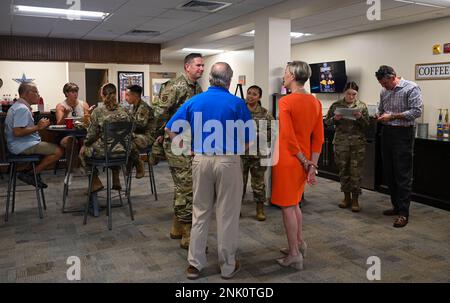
[{"x": 129, "y": 78}]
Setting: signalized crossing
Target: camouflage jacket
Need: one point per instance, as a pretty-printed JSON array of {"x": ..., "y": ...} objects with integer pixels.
[
  {"x": 98, "y": 118},
  {"x": 172, "y": 95},
  {"x": 143, "y": 117},
  {"x": 260, "y": 113},
  {"x": 349, "y": 132}
]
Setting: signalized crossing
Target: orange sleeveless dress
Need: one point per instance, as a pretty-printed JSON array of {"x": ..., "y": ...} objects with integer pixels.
[{"x": 300, "y": 129}]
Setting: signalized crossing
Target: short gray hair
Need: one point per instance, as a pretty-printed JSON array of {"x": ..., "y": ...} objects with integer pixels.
[
  {"x": 300, "y": 70},
  {"x": 25, "y": 87},
  {"x": 220, "y": 75}
]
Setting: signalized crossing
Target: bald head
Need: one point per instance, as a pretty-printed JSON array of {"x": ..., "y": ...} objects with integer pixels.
[{"x": 220, "y": 75}]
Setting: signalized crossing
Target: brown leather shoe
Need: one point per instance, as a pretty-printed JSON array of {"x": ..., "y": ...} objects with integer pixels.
[
  {"x": 192, "y": 273},
  {"x": 390, "y": 212},
  {"x": 401, "y": 221}
]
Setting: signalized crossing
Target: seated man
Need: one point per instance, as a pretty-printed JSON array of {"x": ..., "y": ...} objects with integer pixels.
[
  {"x": 143, "y": 118},
  {"x": 22, "y": 135}
]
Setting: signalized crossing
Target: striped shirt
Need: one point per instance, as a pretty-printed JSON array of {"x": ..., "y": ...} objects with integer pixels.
[{"x": 405, "y": 98}]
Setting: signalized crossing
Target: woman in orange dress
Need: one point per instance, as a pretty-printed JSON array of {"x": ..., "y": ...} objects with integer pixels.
[{"x": 300, "y": 142}]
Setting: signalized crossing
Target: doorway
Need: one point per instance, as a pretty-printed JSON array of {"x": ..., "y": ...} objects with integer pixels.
[{"x": 95, "y": 78}]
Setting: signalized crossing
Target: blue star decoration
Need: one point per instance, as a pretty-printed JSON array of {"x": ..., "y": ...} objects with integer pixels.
[{"x": 24, "y": 79}]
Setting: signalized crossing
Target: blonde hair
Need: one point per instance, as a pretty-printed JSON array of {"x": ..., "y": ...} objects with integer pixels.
[
  {"x": 109, "y": 95},
  {"x": 300, "y": 70}
]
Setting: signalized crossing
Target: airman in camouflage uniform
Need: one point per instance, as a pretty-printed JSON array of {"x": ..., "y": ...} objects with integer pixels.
[
  {"x": 143, "y": 136},
  {"x": 349, "y": 148},
  {"x": 94, "y": 144},
  {"x": 252, "y": 163},
  {"x": 172, "y": 96}
]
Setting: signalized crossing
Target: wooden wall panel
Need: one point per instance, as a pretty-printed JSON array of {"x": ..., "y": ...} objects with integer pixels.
[{"x": 71, "y": 50}]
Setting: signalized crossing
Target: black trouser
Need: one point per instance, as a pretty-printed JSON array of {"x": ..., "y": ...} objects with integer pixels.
[{"x": 397, "y": 154}]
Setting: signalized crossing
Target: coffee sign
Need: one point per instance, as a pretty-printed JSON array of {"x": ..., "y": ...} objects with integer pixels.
[{"x": 433, "y": 71}]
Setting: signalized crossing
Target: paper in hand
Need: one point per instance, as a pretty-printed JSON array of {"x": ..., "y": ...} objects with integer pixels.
[{"x": 347, "y": 113}]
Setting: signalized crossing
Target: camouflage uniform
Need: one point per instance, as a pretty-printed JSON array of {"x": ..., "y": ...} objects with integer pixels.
[
  {"x": 94, "y": 145},
  {"x": 349, "y": 145},
  {"x": 172, "y": 96},
  {"x": 252, "y": 163},
  {"x": 143, "y": 136}
]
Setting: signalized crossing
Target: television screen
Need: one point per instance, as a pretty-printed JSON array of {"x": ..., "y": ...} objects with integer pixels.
[{"x": 328, "y": 77}]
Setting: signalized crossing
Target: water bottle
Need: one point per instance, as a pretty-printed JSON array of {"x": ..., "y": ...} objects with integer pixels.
[
  {"x": 439, "y": 128},
  {"x": 446, "y": 125}
]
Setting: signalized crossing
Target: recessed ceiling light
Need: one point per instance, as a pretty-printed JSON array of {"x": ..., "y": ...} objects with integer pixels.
[
  {"x": 203, "y": 50},
  {"x": 294, "y": 35},
  {"x": 48, "y": 12}
]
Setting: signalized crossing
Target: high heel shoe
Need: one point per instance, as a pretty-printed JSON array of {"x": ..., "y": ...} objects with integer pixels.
[
  {"x": 302, "y": 248},
  {"x": 294, "y": 262}
]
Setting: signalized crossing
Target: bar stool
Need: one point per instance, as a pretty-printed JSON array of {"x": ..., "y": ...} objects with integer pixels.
[
  {"x": 151, "y": 174},
  {"x": 114, "y": 133},
  {"x": 13, "y": 160}
]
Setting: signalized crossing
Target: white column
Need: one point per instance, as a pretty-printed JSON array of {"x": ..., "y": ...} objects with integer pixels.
[{"x": 272, "y": 52}]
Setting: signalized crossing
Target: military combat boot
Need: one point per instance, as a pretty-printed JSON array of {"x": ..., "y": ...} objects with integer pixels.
[
  {"x": 116, "y": 179},
  {"x": 186, "y": 235},
  {"x": 260, "y": 216},
  {"x": 140, "y": 172},
  {"x": 355, "y": 204},
  {"x": 175, "y": 231},
  {"x": 346, "y": 202},
  {"x": 96, "y": 184}
]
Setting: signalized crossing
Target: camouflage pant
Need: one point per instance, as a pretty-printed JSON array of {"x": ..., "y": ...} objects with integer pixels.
[
  {"x": 257, "y": 171},
  {"x": 181, "y": 170},
  {"x": 96, "y": 150},
  {"x": 350, "y": 161},
  {"x": 157, "y": 154},
  {"x": 138, "y": 143}
]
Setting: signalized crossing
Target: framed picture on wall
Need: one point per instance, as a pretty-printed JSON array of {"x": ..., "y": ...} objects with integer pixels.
[{"x": 126, "y": 79}]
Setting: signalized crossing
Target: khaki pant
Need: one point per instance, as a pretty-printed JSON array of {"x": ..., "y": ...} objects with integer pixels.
[
  {"x": 42, "y": 148},
  {"x": 216, "y": 180}
]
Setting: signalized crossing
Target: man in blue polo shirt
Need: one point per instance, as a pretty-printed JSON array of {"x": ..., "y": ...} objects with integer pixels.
[
  {"x": 221, "y": 128},
  {"x": 22, "y": 134}
]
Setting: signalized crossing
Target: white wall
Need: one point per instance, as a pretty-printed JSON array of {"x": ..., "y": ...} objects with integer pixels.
[
  {"x": 400, "y": 47},
  {"x": 113, "y": 69},
  {"x": 240, "y": 61},
  {"x": 50, "y": 77}
]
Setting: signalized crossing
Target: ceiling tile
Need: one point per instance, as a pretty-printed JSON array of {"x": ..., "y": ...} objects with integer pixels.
[
  {"x": 32, "y": 25},
  {"x": 72, "y": 29}
]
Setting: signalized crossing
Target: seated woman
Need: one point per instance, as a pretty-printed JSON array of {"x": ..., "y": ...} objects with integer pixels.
[
  {"x": 93, "y": 144},
  {"x": 71, "y": 107}
]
